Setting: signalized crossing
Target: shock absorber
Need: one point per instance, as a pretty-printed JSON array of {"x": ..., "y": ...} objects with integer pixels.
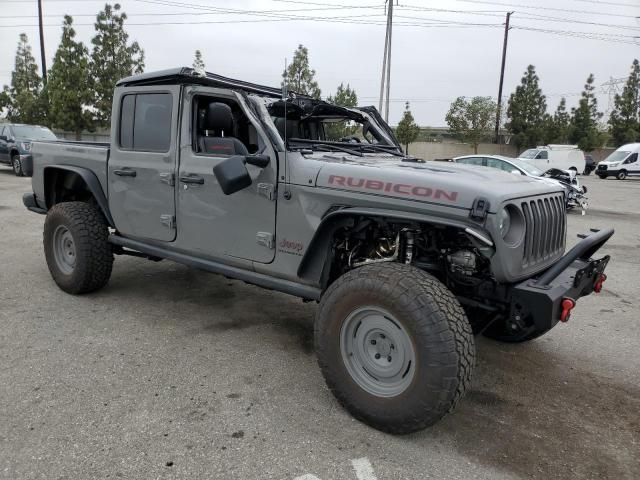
[{"x": 408, "y": 246}]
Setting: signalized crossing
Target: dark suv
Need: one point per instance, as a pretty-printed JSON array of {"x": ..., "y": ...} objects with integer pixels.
[{"x": 15, "y": 145}]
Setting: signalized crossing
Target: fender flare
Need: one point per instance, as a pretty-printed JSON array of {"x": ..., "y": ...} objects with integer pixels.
[
  {"x": 312, "y": 265},
  {"x": 92, "y": 183}
]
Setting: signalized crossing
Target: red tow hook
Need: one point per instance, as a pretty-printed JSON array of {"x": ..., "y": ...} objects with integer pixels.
[
  {"x": 567, "y": 306},
  {"x": 597, "y": 287}
]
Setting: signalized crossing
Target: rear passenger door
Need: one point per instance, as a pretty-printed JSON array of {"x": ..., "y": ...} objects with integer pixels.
[{"x": 142, "y": 163}]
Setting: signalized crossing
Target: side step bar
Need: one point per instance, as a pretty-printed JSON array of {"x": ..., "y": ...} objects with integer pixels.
[{"x": 260, "y": 279}]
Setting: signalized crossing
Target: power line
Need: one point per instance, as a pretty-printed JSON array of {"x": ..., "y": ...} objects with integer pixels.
[
  {"x": 599, "y": 2},
  {"x": 537, "y": 7}
]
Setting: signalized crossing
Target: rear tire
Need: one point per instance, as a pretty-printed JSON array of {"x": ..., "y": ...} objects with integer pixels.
[
  {"x": 395, "y": 346},
  {"x": 622, "y": 174},
  {"x": 16, "y": 164},
  {"x": 78, "y": 253}
]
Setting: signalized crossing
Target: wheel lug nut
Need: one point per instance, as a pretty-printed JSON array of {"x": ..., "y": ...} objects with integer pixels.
[
  {"x": 373, "y": 342},
  {"x": 382, "y": 336},
  {"x": 393, "y": 347},
  {"x": 389, "y": 358},
  {"x": 377, "y": 356}
]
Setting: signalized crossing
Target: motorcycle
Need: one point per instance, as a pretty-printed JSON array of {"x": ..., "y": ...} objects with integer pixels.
[{"x": 576, "y": 194}]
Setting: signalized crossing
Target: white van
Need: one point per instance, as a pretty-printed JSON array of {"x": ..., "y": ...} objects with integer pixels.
[
  {"x": 622, "y": 163},
  {"x": 562, "y": 157}
]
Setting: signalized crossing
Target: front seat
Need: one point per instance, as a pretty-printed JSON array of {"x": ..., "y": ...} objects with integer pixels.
[{"x": 216, "y": 132}]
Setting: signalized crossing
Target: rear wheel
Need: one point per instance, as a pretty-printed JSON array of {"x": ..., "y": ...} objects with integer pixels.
[
  {"x": 622, "y": 174},
  {"x": 78, "y": 253},
  {"x": 394, "y": 346},
  {"x": 16, "y": 164}
]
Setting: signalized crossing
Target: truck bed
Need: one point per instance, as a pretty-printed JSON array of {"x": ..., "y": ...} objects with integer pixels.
[{"x": 91, "y": 155}]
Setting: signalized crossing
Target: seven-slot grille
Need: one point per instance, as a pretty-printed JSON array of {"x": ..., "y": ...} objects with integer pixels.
[
  {"x": 546, "y": 228},
  {"x": 602, "y": 167}
]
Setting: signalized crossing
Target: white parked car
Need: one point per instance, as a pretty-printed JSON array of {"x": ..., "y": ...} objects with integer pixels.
[
  {"x": 622, "y": 163},
  {"x": 575, "y": 193},
  {"x": 562, "y": 157}
]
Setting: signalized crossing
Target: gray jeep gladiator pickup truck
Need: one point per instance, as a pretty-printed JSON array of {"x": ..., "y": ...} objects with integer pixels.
[{"x": 407, "y": 259}]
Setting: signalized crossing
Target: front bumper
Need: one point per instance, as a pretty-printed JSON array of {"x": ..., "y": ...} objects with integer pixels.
[
  {"x": 606, "y": 171},
  {"x": 537, "y": 302}
]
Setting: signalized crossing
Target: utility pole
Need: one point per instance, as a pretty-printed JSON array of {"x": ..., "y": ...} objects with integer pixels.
[
  {"x": 42, "y": 54},
  {"x": 386, "y": 64},
  {"x": 504, "y": 57}
]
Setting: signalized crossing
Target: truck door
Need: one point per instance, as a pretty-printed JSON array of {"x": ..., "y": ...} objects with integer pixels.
[
  {"x": 632, "y": 164},
  {"x": 4, "y": 147},
  {"x": 142, "y": 162},
  {"x": 217, "y": 124}
]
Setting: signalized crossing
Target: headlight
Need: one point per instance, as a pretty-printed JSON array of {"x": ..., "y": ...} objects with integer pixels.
[
  {"x": 26, "y": 146},
  {"x": 617, "y": 164},
  {"x": 504, "y": 222}
]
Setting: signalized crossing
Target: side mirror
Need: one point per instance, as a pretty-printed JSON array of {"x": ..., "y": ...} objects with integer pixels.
[{"x": 232, "y": 174}]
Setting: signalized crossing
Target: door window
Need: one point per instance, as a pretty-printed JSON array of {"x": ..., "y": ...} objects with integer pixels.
[
  {"x": 145, "y": 122},
  {"x": 632, "y": 159},
  {"x": 472, "y": 161},
  {"x": 495, "y": 163},
  {"x": 542, "y": 155}
]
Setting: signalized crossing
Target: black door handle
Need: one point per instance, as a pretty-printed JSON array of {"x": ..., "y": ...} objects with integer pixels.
[
  {"x": 192, "y": 179},
  {"x": 125, "y": 173}
]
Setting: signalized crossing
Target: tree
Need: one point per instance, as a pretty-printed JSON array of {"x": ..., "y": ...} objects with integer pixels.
[
  {"x": 584, "y": 120},
  {"x": 556, "y": 127},
  {"x": 526, "y": 111},
  {"x": 112, "y": 59},
  {"x": 23, "y": 99},
  {"x": 198, "y": 63},
  {"x": 470, "y": 120},
  {"x": 407, "y": 130},
  {"x": 625, "y": 119},
  {"x": 344, "y": 97},
  {"x": 68, "y": 85},
  {"x": 299, "y": 76}
]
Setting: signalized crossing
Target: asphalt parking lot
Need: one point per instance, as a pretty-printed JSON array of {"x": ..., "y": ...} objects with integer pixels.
[{"x": 174, "y": 373}]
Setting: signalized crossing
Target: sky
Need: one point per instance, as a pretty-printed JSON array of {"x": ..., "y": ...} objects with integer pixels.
[{"x": 441, "y": 49}]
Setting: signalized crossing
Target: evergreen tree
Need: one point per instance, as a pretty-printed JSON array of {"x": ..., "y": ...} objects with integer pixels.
[
  {"x": 526, "y": 111},
  {"x": 625, "y": 118},
  {"x": 112, "y": 59},
  {"x": 344, "y": 97},
  {"x": 471, "y": 121},
  {"x": 407, "y": 130},
  {"x": 556, "y": 127},
  {"x": 584, "y": 120},
  {"x": 299, "y": 76},
  {"x": 68, "y": 84},
  {"x": 198, "y": 63},
  {"x": 23, "y": 99}
]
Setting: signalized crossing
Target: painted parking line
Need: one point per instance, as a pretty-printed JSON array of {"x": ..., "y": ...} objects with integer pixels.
[{"x": 362, "y": 467}]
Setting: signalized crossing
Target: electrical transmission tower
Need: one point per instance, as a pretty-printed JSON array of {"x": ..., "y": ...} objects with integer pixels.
[{"x": 612, "y": 88}]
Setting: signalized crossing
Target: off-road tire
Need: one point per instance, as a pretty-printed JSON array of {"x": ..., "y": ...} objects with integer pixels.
[
  {"x": 438, "y": 330},
  {"x": 622, "y": 174},
  {"x": 93, "y": 258},
  {"x": 16, "y": 165}
]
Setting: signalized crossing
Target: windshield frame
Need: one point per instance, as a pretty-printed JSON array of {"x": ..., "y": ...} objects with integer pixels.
[{"x": 31, "y": 130}]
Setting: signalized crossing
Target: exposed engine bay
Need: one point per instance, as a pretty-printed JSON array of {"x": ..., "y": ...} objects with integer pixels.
[{"x": 452, "y": 255}]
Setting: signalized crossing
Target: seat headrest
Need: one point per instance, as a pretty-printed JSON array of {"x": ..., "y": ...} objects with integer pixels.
[{"x": 218, "y": 120}]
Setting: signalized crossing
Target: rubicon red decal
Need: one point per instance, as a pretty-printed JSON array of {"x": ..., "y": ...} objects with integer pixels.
[{"x": 401, "y": 188}]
